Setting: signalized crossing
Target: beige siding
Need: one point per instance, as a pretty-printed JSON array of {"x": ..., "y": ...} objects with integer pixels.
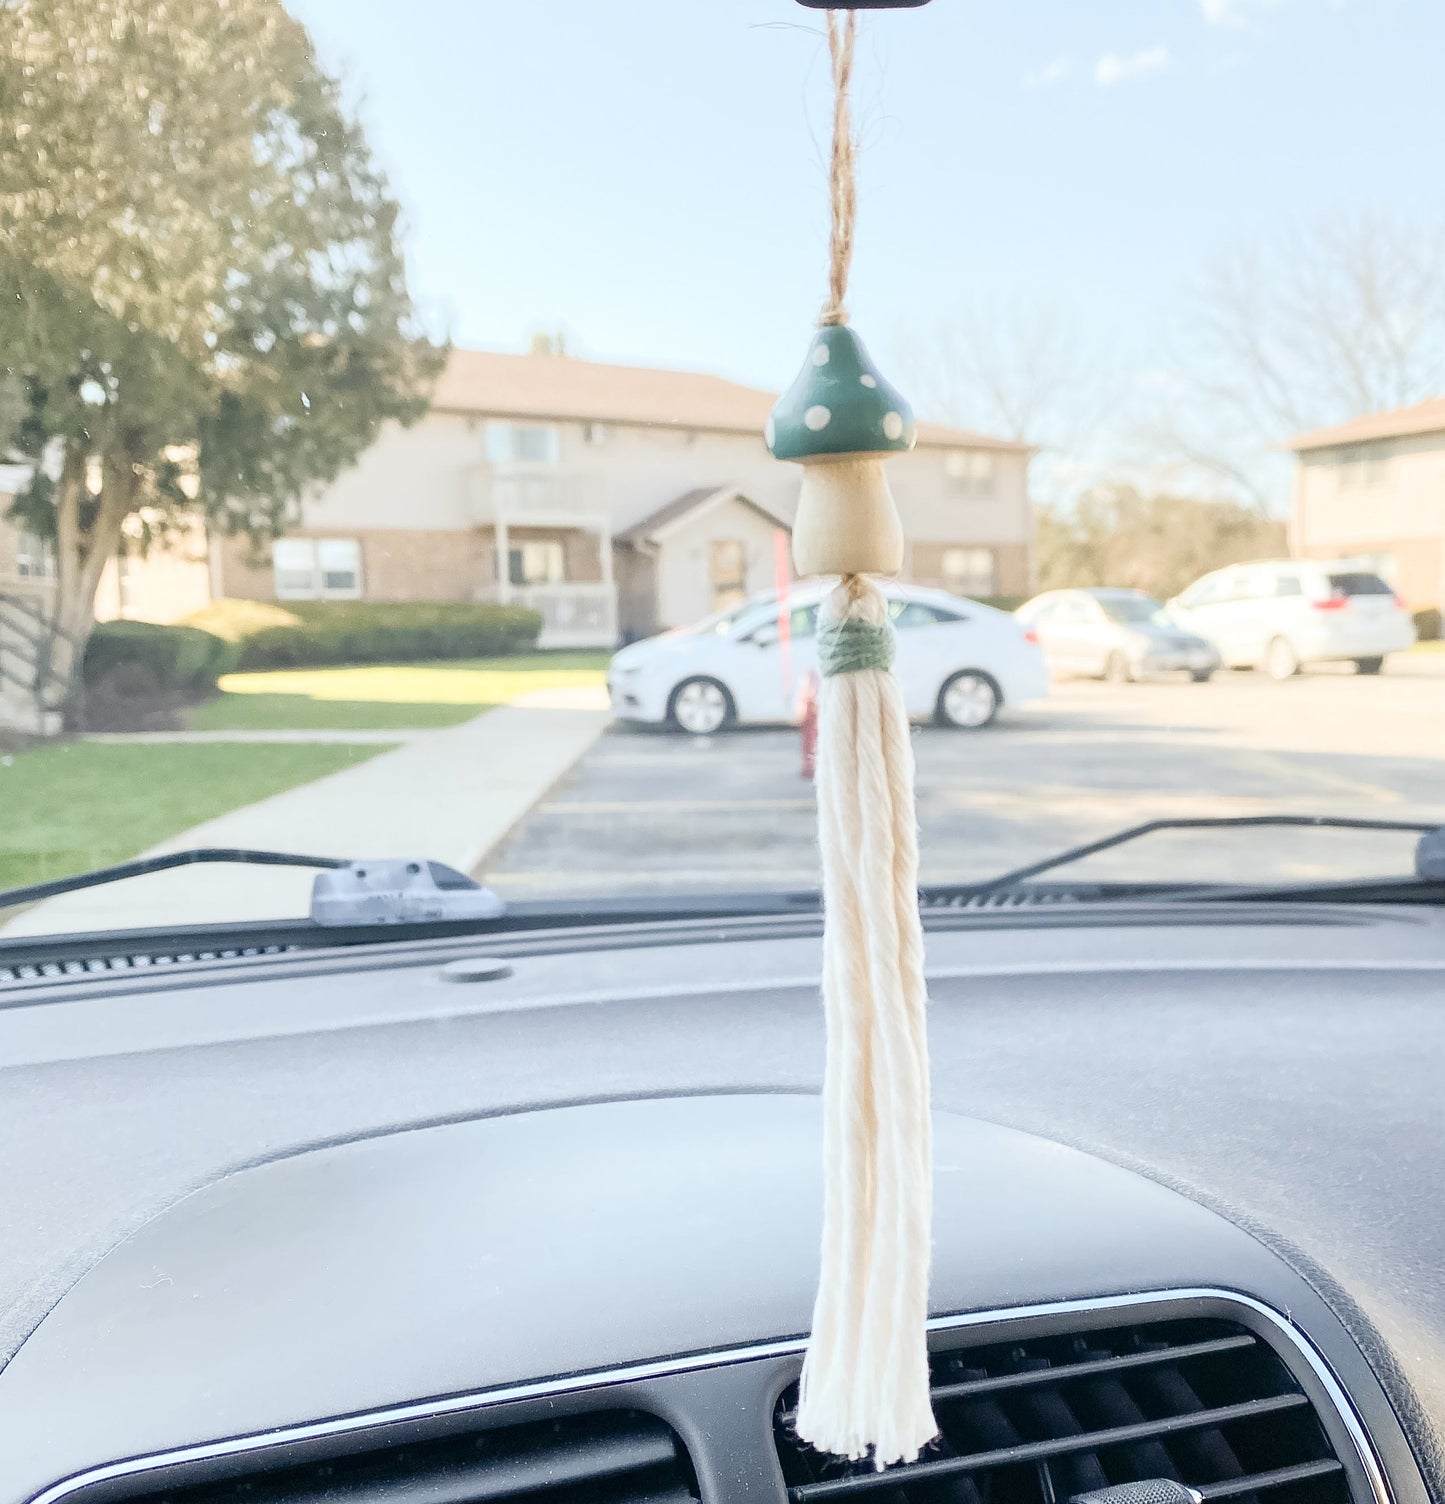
[
  {"x": 1391, "y": 506},
  {"x": 930, "y": 504},
  {"x": 684, "y": 559},
  {"x": 411, "y": 479},
  {"x": 416, "y": 479},
  {"x": 413, "y": 502}
]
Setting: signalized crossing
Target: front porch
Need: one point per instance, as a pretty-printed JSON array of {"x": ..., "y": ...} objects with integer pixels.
[
  {"x": 575, "y": 613},
  {"x": 551, "y": 531}
]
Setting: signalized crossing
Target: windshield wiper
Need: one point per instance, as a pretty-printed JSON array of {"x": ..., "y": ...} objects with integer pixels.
[
  {"x": 1429, "y": 860},
  {"x": 346, "y": 892}
]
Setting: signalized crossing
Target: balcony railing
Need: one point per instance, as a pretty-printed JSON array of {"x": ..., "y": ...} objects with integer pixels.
[
  {"x": 538, "y": 495},
  {"x": 574, "y": 615}
]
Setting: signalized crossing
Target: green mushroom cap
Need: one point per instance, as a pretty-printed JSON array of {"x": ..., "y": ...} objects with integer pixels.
[{"x": 839, "y": 404}]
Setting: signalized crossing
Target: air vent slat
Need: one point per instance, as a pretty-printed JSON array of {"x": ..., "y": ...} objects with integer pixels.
[
  {"x": 1197, "y": 1401},
  {"x": 1036, "y": 1451},
  {"x": 608, "y": 1458},
  {"x": 508, "y": 1472},
  {"x": 1091, "y": 1369},
  {"x": 973, "y": 1388},
  {"x": 1276, "y": 1478}
]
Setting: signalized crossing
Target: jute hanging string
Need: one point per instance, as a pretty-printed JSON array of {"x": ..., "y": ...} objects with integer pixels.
[{"x": 865, "y": 1377}]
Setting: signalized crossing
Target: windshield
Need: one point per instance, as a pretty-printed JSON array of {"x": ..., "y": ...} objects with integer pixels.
[
  {"x": 1129, "y": 608},
  {"x": 383, "y": 470}
]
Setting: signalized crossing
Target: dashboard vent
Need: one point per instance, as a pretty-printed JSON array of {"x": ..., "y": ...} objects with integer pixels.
[
  {"x": 962, "y": 900},
  {"x": 1201, "y": 1402},
  {"x": 110, "y": 964},
  {"x": 614, "y": 1458}
]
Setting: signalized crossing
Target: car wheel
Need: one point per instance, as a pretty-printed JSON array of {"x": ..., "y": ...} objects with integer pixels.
[
  {"x": 1369, "y": 665},
  {"x": 1201, "y": 675},
  {"x": 1280, "y": 659},
  {"x": 700, "y": 707},
  {"x": 1116, "y": 669},
  {"x": 968, "y": 701}
]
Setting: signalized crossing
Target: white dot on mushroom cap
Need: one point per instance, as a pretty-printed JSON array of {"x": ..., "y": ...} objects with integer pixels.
[
  {"x": 817, "y": 417},
  {"x": 868, "y": 380},
  {"x": 770, "y": 432},
  {"x": 820, "y": 355},
  {"x": 893, "y": 425}
]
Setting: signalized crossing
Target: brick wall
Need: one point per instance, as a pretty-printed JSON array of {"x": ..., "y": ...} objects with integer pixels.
[
  {"x": 401, "y": 565},
  {"x": 1010, "y": 565},
  {"x": 396, "y": 565}
]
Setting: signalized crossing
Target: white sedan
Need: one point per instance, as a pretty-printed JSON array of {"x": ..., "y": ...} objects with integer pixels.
[{"x": 959, "y": 662}]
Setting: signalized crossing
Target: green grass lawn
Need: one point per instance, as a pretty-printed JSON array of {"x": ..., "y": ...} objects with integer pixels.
[
  {"x": 384, "y": 697},
  {"x": 71, "y": 806}
]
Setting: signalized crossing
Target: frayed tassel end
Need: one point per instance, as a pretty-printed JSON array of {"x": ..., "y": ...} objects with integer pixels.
[{"x": 864, "y": 1391}]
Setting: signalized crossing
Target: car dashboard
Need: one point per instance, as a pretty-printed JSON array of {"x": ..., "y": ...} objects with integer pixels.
[{"x": 538, "y": 1218}]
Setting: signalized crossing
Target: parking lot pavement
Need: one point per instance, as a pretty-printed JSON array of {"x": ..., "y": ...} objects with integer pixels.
[{"x": 646, "y": 810}]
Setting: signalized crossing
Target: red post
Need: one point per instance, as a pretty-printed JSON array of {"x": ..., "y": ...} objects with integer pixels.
[
  {"x": 782, "y": 581},
  {"x": 808, "y": 720}
]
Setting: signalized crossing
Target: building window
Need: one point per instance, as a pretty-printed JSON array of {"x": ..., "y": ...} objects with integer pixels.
[
  {"x": 970, "y": 472},
  {"x": 525, "y": 443},
  {"x": 34, "y": 557},
  {"x": 596, "y": 433},
  {"x": 1364, "y": 465},
  {"x": 968, "y": 571},
  {"x": 538, "y": 563},
  {"x": 317, "y": 569}
]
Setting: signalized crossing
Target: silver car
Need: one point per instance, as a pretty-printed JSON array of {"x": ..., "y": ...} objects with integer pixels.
[{"x": 1117, "y": 635}]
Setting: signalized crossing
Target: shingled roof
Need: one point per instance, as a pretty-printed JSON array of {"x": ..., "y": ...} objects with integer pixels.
[
  {"x": 557, "y": 388},
  {"x": 1423, "y": 417},
  {"x": 647, "y": 529}
]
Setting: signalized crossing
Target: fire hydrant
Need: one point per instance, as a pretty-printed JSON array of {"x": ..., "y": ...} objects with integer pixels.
[{"x": 808, "y": 720}]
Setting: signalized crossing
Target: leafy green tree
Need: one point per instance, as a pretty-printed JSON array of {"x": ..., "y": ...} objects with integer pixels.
[{"x": 203, "y": 302}]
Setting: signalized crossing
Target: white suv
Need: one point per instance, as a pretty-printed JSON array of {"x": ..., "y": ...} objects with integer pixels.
[{"x": 1278, "y": 616}]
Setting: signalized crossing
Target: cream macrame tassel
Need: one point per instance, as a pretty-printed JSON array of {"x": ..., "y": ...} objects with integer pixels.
[{"x": 865, "y": 1377}]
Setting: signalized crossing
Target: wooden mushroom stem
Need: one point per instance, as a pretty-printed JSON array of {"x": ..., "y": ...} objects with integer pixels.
[{"x": 847, "y": 522}]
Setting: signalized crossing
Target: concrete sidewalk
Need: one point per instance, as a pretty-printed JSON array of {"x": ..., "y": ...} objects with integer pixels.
[{"x": 449, "y": 795}]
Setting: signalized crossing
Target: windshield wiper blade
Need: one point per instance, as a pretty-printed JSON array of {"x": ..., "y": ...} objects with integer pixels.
[
  {"x": 141, "y": 865},
  {"x": 1007, "y": 880}
]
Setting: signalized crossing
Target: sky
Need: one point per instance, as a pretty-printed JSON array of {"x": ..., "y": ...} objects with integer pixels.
[{"x": 649, "y": 174}]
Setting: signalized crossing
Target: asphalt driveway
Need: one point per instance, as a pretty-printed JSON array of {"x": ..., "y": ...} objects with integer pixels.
[{"x": 647, "y": 810}]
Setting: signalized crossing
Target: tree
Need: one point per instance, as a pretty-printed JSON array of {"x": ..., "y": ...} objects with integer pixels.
[
  {"x": 1117, "y": 535},
  {"x": 1021, "y": 371},
  {"x": 203, "y": 304},
  {"x": 1316, "y": 325}
]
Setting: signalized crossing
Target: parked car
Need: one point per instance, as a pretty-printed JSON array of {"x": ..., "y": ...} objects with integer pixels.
[
  {"x": 1114, "y": 634},
  {"x": 1281, "y": 614},
  {"x": 959, "y": 663}
]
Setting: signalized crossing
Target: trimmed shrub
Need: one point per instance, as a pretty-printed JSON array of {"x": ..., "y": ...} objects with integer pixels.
[
  {"x": 1002, "y": 602},
  {"x": 1427, "y": 624},
  {"x": 144, "y": 658},
  {"x": 304, "y": 634}
]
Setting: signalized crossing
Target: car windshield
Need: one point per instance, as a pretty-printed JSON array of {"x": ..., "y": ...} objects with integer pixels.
[
  {"x": 388, "y": 419},
  {"x": 1129, "y": 608}
]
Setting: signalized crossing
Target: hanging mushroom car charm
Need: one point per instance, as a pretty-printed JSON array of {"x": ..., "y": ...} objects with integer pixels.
[{"x": 840, "y": 420}]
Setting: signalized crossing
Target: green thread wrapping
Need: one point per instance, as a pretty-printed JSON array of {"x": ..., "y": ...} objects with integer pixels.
[{"x": 848, "y": 645}]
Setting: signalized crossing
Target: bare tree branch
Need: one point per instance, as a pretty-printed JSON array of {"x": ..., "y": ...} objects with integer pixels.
[{"x": 1317, "y": 325}]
